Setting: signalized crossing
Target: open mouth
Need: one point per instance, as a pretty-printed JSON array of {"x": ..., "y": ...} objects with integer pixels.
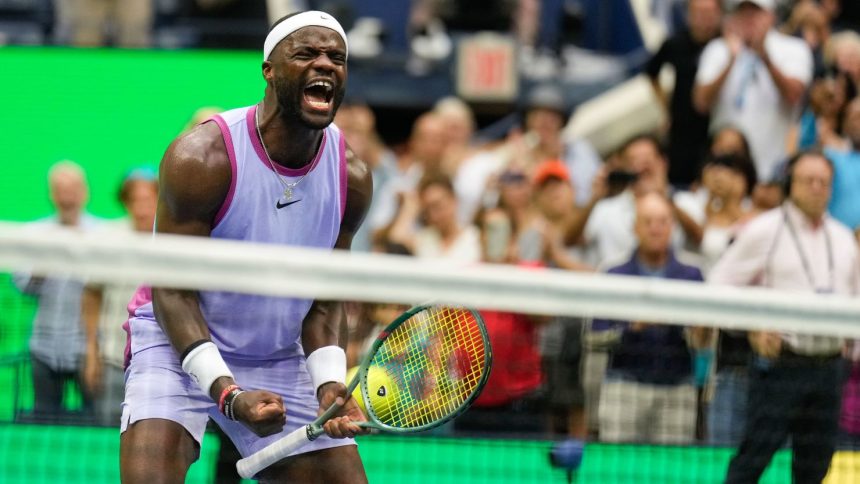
[{"x": 319, "y": 95}]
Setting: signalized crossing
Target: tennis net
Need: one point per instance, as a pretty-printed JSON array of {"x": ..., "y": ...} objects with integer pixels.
[{"x": 655, "y": 376}]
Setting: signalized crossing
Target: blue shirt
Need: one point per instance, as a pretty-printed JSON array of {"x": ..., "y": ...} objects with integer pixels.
[
  {"x": 58, "y": 338},
  {"x": 845, "y": 201},
  {"x": 659, "y": 353}
]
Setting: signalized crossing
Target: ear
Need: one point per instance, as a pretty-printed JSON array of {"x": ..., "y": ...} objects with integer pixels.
[{"x": 268, "y": 75}]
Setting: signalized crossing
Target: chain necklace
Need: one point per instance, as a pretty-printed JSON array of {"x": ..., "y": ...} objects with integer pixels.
[{"x": 288, "y": 187}]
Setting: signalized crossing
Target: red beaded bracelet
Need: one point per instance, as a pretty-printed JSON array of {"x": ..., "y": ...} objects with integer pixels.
[{"x": 223, "y": 396}]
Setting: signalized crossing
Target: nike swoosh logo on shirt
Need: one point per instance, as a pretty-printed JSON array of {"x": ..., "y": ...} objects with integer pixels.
[{"x": 280, "y": 205}]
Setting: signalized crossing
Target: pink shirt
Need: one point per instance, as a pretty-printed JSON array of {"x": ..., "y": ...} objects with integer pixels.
[{"x": 782, "y": 249}]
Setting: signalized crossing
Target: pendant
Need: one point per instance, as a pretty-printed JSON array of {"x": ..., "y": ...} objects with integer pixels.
[{"x": 288, "y": 193}]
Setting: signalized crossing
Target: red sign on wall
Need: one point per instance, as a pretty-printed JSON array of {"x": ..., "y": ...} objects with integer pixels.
[{"x": 486, "y": 68}]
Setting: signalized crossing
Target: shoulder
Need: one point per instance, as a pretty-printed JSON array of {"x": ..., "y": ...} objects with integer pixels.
[
  {"x": 762, "y": 225},
  {"x": 621, "y": 266},
  {"x": 841, "y": 234},
  {"x": 786, "y": 43},
  {"x": 196, "y": 172},
  {"x": 714, "y": 48}
]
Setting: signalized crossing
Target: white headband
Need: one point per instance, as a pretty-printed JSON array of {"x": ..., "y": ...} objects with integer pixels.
[{"x": 312, "y": 18}]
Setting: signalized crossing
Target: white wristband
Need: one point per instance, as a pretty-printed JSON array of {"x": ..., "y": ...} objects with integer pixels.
[
  {"x": 327, "y": 364},
  {"x": 205, "y": 365}
]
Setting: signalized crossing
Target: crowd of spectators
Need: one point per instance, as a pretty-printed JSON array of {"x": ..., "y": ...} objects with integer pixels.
[{"x": 754, "y": 180}]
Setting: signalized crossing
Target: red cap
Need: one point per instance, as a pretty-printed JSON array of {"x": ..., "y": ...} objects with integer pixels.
[{"x": 550, "y": 169}]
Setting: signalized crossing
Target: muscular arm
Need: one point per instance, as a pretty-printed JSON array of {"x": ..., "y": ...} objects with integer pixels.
[
  {"x": 325, "y": 323},
  {"x": 189, "y": 209}
]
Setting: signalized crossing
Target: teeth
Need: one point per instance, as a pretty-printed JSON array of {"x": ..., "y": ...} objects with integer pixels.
[{"x": 325, "y": 84}]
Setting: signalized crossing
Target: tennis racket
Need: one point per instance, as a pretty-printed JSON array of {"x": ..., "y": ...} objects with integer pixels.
[{"x": 423, "y": 370}]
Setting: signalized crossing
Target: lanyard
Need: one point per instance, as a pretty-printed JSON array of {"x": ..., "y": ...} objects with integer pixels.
[{"x": 804, "y": 261}]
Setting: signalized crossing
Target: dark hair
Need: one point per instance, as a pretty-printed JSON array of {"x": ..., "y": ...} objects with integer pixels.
[
  {"x": 649, "y": 137},
  {"x": 728, "y": 127},
  {"x": 145, "y": 175},
  {"x": 736, "y": 162},
  {"x": 788, "y": 169},
  {"x": 282, "y": 19}
]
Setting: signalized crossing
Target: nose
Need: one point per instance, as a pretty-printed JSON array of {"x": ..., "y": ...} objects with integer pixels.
[{"x": 324, "y": 63}]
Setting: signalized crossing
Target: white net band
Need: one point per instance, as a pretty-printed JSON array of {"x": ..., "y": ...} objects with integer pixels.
[{"x": 208, "y": 264}]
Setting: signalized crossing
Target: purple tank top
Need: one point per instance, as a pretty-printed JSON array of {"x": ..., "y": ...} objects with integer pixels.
[{"x": 255, "y": 209}]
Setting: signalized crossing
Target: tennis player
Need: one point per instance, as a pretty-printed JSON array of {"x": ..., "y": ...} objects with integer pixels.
[{"x": 277, "y": 172}]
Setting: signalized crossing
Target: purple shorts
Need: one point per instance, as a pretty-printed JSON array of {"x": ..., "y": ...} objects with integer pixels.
[{"x": 157, "y": 387}]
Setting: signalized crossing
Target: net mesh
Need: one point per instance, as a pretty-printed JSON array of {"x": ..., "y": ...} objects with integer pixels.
[
  {"x": 631, "y": 380},
  {"x": 435, "y": 361}
]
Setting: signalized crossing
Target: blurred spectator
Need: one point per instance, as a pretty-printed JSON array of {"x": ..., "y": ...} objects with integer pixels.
[
  {"x": 606, "y": 222},
  {"x": 104, "y": 308},
  {"x": 545, "y": 114},
  {"x": 809, "y": 21},
  {"x": 845, "y": 201},
  {"x": 512, "y": 400},
  {"x": 561, "y": 338},
  {"x": 754, "y": 77},
  {"x": 541, "y": 138},
  {"x": 459, "y": 121},
  {"x": 358, "y": 124},
  {"x": 526, "y": 237},
  {"x": 726, "y": 141},
  {"x": 424, "y": 155},
  {"x": 91, "y": 23},
  {"x": 688, "y": 129},
  {"x": 442, "y": 236},
  {"x": 842, "y": 60},
  {"x": 795, "y": 380},
  {"x": 554, "y": 200},
  {"x": 648, "y": 394},
  {"x": 819, "y": 125},
  {"x": 57, "y": 343}
]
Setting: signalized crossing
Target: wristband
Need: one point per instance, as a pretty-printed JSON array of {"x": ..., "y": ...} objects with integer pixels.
[
  {"x": 327, "y": 364},
  {"x": 204, "y": 365},
  {"x": 229, "y": 409},
  {"x": 223, "y": 397}
]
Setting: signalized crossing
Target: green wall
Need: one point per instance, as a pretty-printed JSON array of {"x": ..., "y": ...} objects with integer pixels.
[
  {"x": 42, "y": 454},
  {"x": 108, "y": 110}
]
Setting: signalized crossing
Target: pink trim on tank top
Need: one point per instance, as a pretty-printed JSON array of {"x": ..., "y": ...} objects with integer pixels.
[
  {"x": 266, "y": 161},
  {"x": 231, "y": 154},
  {"x": 142, "y": 297},
  {"x": 343, "y": 177}
]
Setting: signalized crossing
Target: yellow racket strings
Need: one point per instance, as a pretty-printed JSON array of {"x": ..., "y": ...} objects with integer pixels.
[{"x": 434, "y": 361}]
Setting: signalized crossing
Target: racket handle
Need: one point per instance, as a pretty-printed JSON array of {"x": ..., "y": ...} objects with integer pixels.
[{"x": 277, "y": 450}]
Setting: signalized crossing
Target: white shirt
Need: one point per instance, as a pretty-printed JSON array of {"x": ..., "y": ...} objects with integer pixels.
[
  {"x": 465, "y": 249},
  {"x": 609, "y": 235},
  {"x": 765, "y": 254},
  {"x": 750, "y": 99}
]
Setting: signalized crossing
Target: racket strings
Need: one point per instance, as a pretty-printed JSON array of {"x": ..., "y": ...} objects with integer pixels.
[{"x": 436, "y": 361}]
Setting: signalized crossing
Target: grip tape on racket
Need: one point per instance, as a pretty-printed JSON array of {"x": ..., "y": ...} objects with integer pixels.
[{"x": 263, "y": 458}]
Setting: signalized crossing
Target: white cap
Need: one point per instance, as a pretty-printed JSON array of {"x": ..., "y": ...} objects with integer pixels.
[
  {"x": 311, "y": 18},
  {"x": 768, "y": 5}
]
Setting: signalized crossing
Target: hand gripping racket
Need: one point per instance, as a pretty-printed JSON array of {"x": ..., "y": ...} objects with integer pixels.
[{"x": 424, "y": 369}]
